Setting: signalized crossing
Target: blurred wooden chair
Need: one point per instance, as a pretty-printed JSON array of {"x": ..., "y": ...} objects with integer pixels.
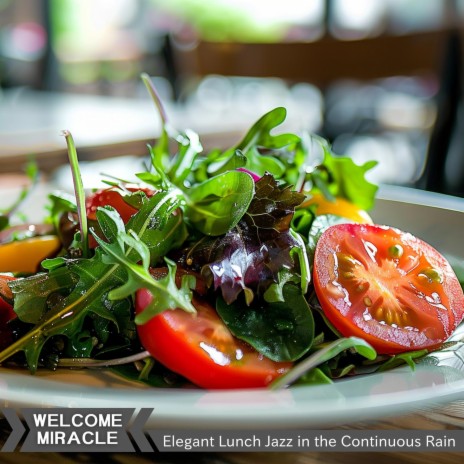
[
  {"x": 320, "y": 62},
  {"x": 436, "y": 54}
]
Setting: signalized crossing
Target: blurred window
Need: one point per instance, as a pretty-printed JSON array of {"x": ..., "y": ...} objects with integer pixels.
[
  {"x": 101, "y": 46},
  {"x": 247, "y": 20},
  {"x": 23, "y": 43},
  {"x": 366, "y": 18},
  {"x": 96, "y": 43}
]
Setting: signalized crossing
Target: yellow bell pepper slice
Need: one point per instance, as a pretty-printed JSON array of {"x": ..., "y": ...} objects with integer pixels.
[
  {"x": 25, "y": 256},
  {"x": 339, "y": 207}
]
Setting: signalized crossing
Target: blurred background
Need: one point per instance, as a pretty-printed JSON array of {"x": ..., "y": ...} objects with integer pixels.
[{"x": 380, "y": 79}]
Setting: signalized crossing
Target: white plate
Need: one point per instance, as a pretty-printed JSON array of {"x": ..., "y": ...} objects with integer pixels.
[{"x": 435, "y": 218}]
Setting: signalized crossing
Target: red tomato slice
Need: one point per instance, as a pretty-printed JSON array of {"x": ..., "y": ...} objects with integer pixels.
[
  {"x": 202, "y": 349},
  {"x": 6, "y": 311},
  {"x": 114, "y": 197},
  {"x": 387, "y": 287}
]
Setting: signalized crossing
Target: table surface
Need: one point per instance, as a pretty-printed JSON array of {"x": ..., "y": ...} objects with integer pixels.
[{"x": 31, "y": 123}]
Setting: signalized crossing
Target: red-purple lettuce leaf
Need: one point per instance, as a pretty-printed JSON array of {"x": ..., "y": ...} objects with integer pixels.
[{"x": 249, "y": 257}]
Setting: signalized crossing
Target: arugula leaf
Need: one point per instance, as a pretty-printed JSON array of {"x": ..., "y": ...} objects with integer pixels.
[
  {"x": 33, "y": 295},
  {"x": 160, "y": 225},
  {"x": 110, "y": 223},
  {"x": 402, "y": 358},
  {"x": 218, "y": 163},
  {"x": 315, "y": 376},
  {"x": 103, "y": 328},
  {"x": 63, "y": 316},
  {"x": 323, "y": 355},
  {"x": 281, "y": 331},
  {"x": 348, "y": 179},
  {"x": 167, "y": 295},
  {"x": 80, "y": 345},
  {"x": 214, "y": 163},
  {"x": 189, "y": 147},
  {"x": 261, "y": 164},
  {"x": 260, "y": 133},
  {"x": 247, "y": 152}
]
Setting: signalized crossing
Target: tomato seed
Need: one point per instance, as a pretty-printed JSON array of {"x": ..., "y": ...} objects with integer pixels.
[
  {"x": 348, "y": 275},
  {"x": 396, "y": 251},
  {"x": 363, "y": 287},
  {"x": 434, "y": 275}
]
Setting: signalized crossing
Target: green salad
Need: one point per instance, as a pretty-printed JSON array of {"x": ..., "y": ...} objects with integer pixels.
[{"x": 248, "y": 267}]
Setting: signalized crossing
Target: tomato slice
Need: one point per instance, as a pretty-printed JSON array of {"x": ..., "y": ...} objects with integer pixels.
[
  {"x": 114, "y": 197},
  {"x": 387, "y": 287},
  {"x": 201, "y": 348}
]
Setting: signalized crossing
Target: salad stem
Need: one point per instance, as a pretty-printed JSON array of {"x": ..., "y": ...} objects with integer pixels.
[
  {"x": 79, "y": 192},
  {"x": 149, "y": 364},
  {"x": 88, "y": 362},
  {"x": 155, "y": 97}
]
